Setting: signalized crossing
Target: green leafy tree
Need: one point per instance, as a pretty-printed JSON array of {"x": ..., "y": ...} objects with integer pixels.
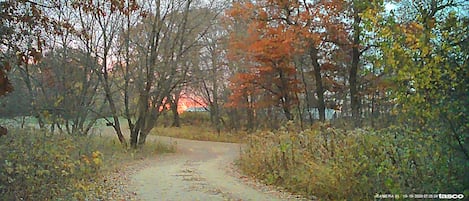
[{"x": 426, "y": 55}]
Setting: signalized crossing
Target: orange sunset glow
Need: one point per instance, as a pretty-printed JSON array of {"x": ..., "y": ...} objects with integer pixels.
[{"x": 189, "y": 101}]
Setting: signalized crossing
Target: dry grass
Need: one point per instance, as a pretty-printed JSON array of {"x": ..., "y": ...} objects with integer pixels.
[
  {"x": 114, "y": 155},
  {"x": 200, "y": 133},
  {"x": 335, "y": 164},
  {"x": 38, "y": 165}
]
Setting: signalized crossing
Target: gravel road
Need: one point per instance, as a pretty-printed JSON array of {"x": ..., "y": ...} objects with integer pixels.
[{"x": 198, "y": 171}]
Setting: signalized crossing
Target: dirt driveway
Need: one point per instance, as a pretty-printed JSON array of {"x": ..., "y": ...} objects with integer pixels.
[{"x": 198, "y": 171}]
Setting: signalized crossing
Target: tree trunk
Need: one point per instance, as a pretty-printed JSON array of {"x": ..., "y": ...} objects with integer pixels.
[
  {"x": 112, "y": 105},
  {"x": 249, "y": 113},
  {"x": 127, "y": 77},
  {"x": 287, "y": 112},
  {"x": 286, "y": 99},
  {"x": 149, "y": 124},
  {"x": 215, "y": 116},
  {"x": 142, "y": 139},
  {"x": 215, "y": 109},
  {"x": 354, "y": 96},
  {"x": 234, "y": 119},
  {"x": 134, "y": 136},
  {"x": 174, "y": 109},
  {"x": 142, "y": 115},
  {"x": 35, "y": 110},
  {"x": 307, "y": 96},
  {"x": 108, "y": 36},
  {"x": 313, "y": 53}
]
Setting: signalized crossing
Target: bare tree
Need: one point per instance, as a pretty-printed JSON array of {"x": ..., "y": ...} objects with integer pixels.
[
  {"x": 165, "y": 41},
  {"x": 211, "y": 76},
  {"x": 99, "y": 25}
]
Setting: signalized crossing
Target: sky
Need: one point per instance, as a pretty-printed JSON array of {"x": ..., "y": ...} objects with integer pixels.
[{"x": 389, "y": 6}]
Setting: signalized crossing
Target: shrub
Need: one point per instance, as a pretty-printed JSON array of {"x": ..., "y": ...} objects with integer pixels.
[
  {"x": 335, "y": 164},
  {"x": 36, "y": 165},
  {"x": 195, "y": 118}
]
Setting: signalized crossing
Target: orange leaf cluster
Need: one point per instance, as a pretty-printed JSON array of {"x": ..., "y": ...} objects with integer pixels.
[{"x": 266, "y": 50}]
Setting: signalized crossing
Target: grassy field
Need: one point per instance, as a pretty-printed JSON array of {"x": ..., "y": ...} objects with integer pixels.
[{"x": 192, "y": 132}]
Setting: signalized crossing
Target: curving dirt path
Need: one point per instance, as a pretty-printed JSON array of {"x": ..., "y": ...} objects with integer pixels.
[{"x": 198, "y": 171}]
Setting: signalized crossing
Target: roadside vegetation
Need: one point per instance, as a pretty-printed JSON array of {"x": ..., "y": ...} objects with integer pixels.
[
  {"x": 38, "y": 165},
  {"x": 337, "y": 99},
  {"x": 197, "y": 126},
  {"x": 337, "y": 164},
  {"x": 395, "y": 81}
]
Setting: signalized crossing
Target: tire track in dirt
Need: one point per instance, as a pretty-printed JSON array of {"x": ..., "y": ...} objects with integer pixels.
[{"x": 198, "y": 171}]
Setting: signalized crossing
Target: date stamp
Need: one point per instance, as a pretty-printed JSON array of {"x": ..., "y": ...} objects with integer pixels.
[{"x": 441, "y": 196}]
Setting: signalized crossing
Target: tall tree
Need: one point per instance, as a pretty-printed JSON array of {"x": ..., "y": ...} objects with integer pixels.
[
  {"x": 24, "y": 24},
  {"x": 271, "y": 46},
  {"x": 358, "y": 47},
  {"x": 295, "y": 26},
  {"x": 166, "y": 42},
  {"x": 213, "y": 66},
  {"x": 100, "y": 24},
  {"x": 426, "y": 55},
  {"x": 65, "y": 86}
]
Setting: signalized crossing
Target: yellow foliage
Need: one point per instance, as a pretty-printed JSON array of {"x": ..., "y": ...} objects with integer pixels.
[
  {"x": 96, "y": 154},
  {"x": 97, "y": 161}
]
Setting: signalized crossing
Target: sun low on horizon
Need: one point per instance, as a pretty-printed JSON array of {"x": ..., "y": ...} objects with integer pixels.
[{"x": 186, "y": 102}]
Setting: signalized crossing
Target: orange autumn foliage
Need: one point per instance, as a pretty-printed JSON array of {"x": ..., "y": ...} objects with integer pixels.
[
  {"x": 266, "y": 53},
  {"x": 267, "y": 37}
]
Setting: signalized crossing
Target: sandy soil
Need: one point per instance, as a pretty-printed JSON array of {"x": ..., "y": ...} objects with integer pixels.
[{"x": 198, "y": 171}]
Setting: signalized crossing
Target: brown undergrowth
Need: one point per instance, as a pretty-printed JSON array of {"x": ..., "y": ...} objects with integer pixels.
[
  {"x": 38, "y": 165},
  {"x": 334, "y": 164}
]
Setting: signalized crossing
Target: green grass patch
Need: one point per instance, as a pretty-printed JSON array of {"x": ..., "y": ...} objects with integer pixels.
[
  {"x": 38, "y": 165},
  {"x": 200, "y": 133},
  {"x": 17, "y": 122}
]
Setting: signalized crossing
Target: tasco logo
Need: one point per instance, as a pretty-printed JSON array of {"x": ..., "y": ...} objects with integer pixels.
[{"x": 451, "y": 196}]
